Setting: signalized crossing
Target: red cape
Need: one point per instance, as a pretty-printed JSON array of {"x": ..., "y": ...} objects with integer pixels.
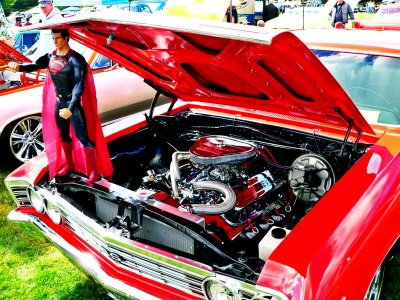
[{"x": 51, "y": 135}]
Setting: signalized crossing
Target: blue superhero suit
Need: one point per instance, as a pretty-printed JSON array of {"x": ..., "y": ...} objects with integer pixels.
[{"x": 71, "y": 86}]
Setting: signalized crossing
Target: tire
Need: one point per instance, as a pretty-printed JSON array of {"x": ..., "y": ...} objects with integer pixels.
[
  {"x": 23, "y": 139},
  {"x": 375, "y": 288}
]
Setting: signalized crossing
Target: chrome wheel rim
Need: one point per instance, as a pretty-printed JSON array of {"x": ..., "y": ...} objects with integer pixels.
[
  {"x": 26, "y": 140},
  {"x": 374, "y": 290}
]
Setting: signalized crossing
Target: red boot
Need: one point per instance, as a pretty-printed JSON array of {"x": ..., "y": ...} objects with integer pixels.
[
  {"x": 69, "y": 162},
  {"x": 91, "y": 165}
]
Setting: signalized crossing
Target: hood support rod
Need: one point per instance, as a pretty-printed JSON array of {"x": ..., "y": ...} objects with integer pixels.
[
  {"x": 350, "y": 123},
  {"x": 358, "y": 139},
  {"x": 160, "y": 91},
  {"x": 153, "y": 104}
]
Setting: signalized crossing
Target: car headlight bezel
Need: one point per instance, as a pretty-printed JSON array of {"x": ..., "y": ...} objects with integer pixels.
[
  {"x": 211, "y": 286},
  {"x": 37, "y": 200},
  {"x": 43, "y": 205}
]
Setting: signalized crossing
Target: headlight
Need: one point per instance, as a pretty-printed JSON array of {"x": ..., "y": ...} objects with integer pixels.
[
  {"x": 37, "y": 200},
  {"x": 53, "y": 212},
  {"x": 218, "y": 290}
]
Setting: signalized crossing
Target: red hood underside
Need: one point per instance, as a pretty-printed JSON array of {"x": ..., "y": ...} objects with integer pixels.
[{"x": 221, "y": 63}]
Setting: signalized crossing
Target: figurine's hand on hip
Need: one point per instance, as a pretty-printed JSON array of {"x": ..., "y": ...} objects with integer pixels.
[{"x": 65, "y": 113}]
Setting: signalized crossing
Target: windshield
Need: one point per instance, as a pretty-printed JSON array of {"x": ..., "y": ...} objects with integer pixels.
[{"x": 371, "y": 81}]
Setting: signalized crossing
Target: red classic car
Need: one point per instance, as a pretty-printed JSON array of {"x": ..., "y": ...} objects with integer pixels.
[
  {"x": 21, "y": 97},
  {"x": 261, "y": 179}
]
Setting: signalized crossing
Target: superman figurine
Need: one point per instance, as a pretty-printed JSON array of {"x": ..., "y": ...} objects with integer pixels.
[{"x": 72, "y": 132}]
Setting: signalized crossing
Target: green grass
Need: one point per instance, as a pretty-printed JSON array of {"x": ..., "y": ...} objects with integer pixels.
[
  {"x": 362, "y": 16},
  {"x": 31, "y": 268},
  {"x": 391, "y": 287}
]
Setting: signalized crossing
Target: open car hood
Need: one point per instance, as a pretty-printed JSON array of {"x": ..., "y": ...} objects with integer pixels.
[
  {"x": 8, "y": 54},
  {"x": 208, "y": 61}
]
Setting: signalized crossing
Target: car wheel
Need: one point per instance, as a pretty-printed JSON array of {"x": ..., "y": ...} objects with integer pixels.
[
  {"x": 23, "y": 139},
  {"x": 374, "y": 290}
]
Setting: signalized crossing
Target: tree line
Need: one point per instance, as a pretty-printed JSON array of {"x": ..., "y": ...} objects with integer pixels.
[{"x": 10, "y": 6}]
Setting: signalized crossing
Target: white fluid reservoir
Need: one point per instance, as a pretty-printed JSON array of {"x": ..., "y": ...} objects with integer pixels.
[{"x": 271, "y": 240}]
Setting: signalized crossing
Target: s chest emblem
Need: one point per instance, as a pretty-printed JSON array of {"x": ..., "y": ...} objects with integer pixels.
[{"x": 57, "y": 64}]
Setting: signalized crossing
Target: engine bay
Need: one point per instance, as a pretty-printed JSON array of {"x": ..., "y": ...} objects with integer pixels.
[{"x": 216, "y": 190}]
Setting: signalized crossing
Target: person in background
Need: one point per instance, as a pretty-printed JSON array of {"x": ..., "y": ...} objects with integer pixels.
[
  {"x": 270, "y": 11},
  {"x": 260, "y": 23},
  {"x": 341, "y": 13},
  {"x": 72, "y": 132},
  {"x": 234, "y": 14},
  {"x": 27, "y": 20},
  {"x": 370, "y": 7},
  {"x": 282, "y": 6},
  {"x": 50, "y": 12},
  {"x": 18, "y": 21}
]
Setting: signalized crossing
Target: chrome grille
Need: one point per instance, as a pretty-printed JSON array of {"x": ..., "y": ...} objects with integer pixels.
[
  {"x": 181, "y": 280},
  {"x": 94, "y": 241},
  {"x": 19, "y": 190}
]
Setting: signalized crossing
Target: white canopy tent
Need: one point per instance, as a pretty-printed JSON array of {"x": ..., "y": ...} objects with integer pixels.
[{"x": 78, "y": 3}]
